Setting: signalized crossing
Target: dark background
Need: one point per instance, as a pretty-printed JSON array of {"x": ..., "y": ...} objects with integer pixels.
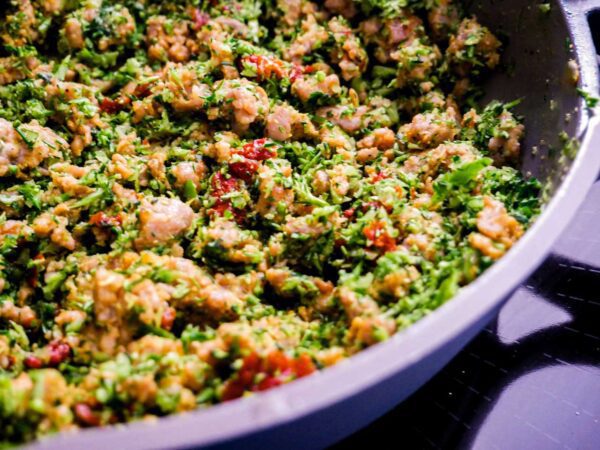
[{"x": 531, "y": 379}]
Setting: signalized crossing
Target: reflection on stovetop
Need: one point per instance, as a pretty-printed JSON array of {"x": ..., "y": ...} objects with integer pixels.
[{"x": 531, "y": 379}]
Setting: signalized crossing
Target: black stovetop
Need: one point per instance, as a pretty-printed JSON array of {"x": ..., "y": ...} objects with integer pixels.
[{"x": 531, "y": 379}]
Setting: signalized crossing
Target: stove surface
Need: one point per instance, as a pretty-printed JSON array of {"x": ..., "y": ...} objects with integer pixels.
[{"x": 531, "y": 379}]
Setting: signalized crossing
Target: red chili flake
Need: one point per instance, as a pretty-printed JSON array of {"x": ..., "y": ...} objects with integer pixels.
[
  {"x": 349, "y": 213},
  {"x": 200, "y": 18},
  {"x": 59, "y": 351},
  {"x": 295, "y": 73},
  {"x": 378, "y": 177},
  {"x": 101, "y": 219},
  {"x": 33, "y": 362},
  {"x": 85, "y": 415},
  {"x": 376, "y": 233},
  {"x": 168, "y": 318},
  {"x": 370, "y": 205}
]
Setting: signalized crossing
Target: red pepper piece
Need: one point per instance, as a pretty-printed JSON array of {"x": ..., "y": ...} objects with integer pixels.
[
  {"x": 376, "y": 232},
  {"x": 84, "y": 413},
  {"x": 33, "y": 362},
  {"x": 59, "y": 351},
  {"x": 168, "y": 318}
]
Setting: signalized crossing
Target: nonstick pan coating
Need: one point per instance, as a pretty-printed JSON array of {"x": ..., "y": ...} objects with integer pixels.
[{"x": 321, "y": 409}]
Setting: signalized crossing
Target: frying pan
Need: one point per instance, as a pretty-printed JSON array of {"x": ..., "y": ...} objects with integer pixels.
[{"x": 321, "y": 409}]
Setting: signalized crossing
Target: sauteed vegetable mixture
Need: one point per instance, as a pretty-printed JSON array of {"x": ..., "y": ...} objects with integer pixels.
[{"x": 205, "y": 199}]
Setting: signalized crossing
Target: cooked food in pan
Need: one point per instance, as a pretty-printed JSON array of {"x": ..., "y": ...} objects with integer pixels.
[{"x": 202, "y": 200}]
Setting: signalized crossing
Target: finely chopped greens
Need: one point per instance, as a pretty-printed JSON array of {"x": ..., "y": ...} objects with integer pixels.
[{"x": 201, "y": 200}]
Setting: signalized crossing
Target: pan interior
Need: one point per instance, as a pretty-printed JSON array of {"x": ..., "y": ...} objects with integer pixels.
[{"x": 539, "y": 69}]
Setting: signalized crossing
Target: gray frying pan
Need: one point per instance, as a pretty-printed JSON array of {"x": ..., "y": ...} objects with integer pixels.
[{"x": 321, "y": 409}]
